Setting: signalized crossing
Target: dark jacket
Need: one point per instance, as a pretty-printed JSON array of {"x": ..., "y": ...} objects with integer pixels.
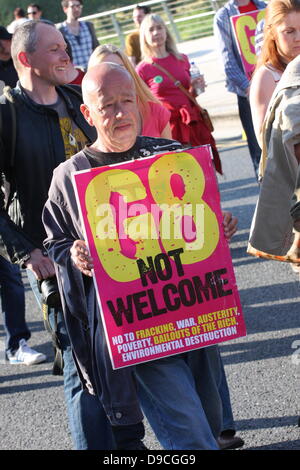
[
  {"x": 39, "y": 149},
  {"x": 8, "y": 73}
]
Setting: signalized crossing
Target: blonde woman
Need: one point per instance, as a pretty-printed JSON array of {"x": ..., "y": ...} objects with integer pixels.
[
  {"x": 162, "y": 68},
  {"x": 281, "y": 45},
  {"x": 154, "y": 118}
]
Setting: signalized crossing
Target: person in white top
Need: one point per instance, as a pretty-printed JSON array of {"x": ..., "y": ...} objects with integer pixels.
[
  {"x": 20, "y": 17},
  {"x": 281, "y": 44}
]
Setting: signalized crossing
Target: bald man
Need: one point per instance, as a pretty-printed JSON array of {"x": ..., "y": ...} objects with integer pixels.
[{"x": 160, "y": 387}]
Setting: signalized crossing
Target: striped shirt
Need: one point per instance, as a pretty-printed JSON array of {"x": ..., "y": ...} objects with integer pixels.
[
  {"x": 236, "y": 80},
  {"x": 81, "y": 44}
]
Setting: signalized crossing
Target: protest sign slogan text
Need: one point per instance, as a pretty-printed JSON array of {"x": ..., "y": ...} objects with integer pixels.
[{"x": 163, "y": 269}]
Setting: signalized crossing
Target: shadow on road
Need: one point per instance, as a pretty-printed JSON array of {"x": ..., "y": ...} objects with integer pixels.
[
  {"x": 271, "y": 293},
  {"x": 254, "y": 351},
  {"x": 265, "y": 423},
  {"x": 285, "y": 445}
]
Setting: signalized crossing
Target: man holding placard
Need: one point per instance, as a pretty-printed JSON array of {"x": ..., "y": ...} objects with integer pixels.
[{"x": 165, "y": 388}]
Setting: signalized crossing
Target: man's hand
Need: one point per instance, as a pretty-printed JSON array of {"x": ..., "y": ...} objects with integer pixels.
[
  {"x": 41, "y": 265},
  {"x": 81, "y": 257},
  {"x": 84, "y": 262},
  {"x": 229, "y": 224}
]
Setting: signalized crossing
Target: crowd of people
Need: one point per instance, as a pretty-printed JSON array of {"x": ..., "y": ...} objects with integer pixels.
[{"x": 78, "y": 95}]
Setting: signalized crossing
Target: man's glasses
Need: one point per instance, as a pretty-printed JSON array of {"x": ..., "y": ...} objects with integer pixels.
[{"x": 31, "y": 12}]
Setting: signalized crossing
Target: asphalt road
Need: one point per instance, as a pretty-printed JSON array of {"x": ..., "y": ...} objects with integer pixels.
[{"x": 262, "y": 368}]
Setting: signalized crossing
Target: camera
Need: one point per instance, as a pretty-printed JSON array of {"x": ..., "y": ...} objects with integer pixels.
[{"x": 50, "y": 293}]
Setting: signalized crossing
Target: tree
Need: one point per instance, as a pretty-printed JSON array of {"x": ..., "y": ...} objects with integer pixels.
[{"x": 52, "y": 9}]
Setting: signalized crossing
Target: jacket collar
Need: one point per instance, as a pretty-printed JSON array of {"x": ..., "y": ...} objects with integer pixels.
[
  {"x": 291, "y": 76},
  {"x": 19, "y": 93}
]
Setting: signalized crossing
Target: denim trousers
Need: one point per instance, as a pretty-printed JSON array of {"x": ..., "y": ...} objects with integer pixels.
[
  {"x": 228, "y": 420},
  {"x": 13, "y": 305},
  {"x": 168, "y": 396},
  {"x": 169, "y": 399},
  {"x": 247, "y": 123},
  {"x": 89, "y": 426}
]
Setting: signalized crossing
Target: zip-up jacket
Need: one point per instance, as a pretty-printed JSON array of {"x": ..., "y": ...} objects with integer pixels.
[{"x": 39, "y": 149}]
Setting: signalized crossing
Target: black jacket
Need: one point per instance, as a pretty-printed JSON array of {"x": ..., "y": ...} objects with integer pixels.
[
  {"x": 8, "y": 73},
  {"x": 39, "y": 148}
]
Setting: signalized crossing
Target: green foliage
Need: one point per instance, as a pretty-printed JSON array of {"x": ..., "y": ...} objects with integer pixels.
[
  {"x": 191, "y": 28},
  {"x": 52, "y": 8}
]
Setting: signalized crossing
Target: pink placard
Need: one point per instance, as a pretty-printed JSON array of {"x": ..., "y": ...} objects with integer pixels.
[
  {"x": 163, "y": 270},
  {"x": 244, "y": 27}
]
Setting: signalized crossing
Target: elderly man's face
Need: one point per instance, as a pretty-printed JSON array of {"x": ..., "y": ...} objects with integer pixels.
[{"x": 113, "y": 111}]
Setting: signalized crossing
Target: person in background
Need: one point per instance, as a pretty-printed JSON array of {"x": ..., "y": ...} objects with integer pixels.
[
  {"x": 187, "y": 127},
  {"x": 80, "y": 35},
  {"x": 51, "y": 112},
  {"x": 275, "y": 228},
  {"x": 8, "y": 74},
  {"x": 76, "y": 73},
  {"x": 20, "y": 18},
  {"x": 236, "y": 79},
  {"x": 153, "y": 117},
  {"x": 281, "y": 45},
  {"x": 13, "y": 310},
  {"x": 272, "y": 226},
  {"x": 12, "y": 288},
  {"x": 162, "y": 59},
  {"x": 132, "y": 41},
  {"x": 34, "y": 12}
]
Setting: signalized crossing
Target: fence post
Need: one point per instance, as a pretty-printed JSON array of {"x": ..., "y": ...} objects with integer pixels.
[
  {"x": 118, "y": 29},
  {"x": 172, "y": 23}
]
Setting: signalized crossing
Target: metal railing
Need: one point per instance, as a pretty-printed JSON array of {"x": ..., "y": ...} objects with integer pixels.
[{"x": 187, "y": 19}]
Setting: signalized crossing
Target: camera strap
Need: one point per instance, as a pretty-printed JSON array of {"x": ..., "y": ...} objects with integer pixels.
[{"x": 58, "y": 362}]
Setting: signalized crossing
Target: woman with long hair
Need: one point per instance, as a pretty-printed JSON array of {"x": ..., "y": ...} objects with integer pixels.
[
  {"x": 154, "y": 118},
  {"x": 281, "y": 44},
  {"x": 165, "y": 70}
]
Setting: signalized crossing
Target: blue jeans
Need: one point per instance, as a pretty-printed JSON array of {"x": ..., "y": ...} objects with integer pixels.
[
  {"x": 168, "y": 396},
  {"x": 89, "y": 426},
  {"x": 228, "y": 420},
  {"x": 247, "y": 123},
  {"x": 205, "y": 365},
  {"x": 13, "y": 305}
]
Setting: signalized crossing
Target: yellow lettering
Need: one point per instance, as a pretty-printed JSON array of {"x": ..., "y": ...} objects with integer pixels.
[
  {"x": 244, "y": 40},
  {"x": 103, "y": 223},
  {"x": 175, "y": 207}
]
